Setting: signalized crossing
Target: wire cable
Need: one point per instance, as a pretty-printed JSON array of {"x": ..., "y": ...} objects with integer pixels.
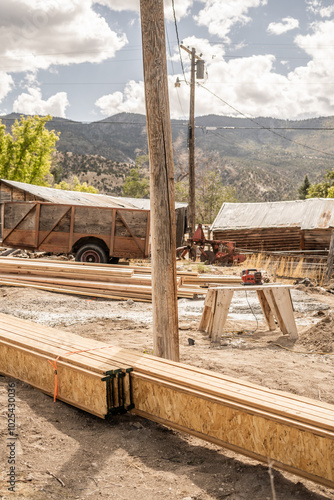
[
  {"x": 250, "y": 306},
  {"x": 178, "y": 42},
  {"x": 172, "y": 64},
  {"x": 264, "y": 128}
]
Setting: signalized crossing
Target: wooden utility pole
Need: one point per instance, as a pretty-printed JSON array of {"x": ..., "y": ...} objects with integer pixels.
[
  {"x": 191, "y": 145},
  {"x": 163, "y": 228},
  {"x": 191, "y": 139}
]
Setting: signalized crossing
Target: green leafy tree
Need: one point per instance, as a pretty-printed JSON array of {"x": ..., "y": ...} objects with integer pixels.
[
  {"x": 303, "y": 189},
  {"x": 26, "y": 153},
  {"x": 210, "y": 190},
  {"x": 210, "y": 195},
  {"x": 137, "y": 184},
  {"x": 322, "y": 189},
  {"x": 74, "y": 185}
]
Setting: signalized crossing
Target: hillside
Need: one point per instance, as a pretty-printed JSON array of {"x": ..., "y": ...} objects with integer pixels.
[
  {"x": 106, "y": 175},
  {"x": 261, "y": 164}
]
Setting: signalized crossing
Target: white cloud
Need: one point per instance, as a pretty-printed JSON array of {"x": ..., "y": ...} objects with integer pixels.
[
  {"x": 131, "y": 101},
  {"x": 32, "y": 103},
  {"x": 220, "y": 16},
  {"x": 320, "y": 44},
  {"x": 204, "y": 47},
  {"x": 120, "y": 5},
  {"x": 6, "y": 84},
  {"x": 181, "y": 8},
  {"x": 317, "y": 8},
  {"x": 287, "y": 24},
  {"x": 249, "y": 84},
  {"x": 35, "y": 35}
]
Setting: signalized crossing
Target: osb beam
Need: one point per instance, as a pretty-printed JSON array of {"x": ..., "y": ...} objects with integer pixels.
[{"x": 295, "y": 433}]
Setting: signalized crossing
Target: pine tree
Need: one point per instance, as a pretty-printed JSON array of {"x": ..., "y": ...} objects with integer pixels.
[{"x": 303, "y": 189}]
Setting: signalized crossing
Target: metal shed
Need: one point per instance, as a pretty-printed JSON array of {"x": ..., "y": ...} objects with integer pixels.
[{"x": 277, "y": 226}]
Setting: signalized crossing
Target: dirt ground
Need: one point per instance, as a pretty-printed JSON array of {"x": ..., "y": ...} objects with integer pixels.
[{"x": 65, "y": 453}]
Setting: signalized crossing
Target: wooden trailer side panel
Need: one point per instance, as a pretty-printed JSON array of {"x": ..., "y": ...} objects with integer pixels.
[{"x": 57, "y": 228}]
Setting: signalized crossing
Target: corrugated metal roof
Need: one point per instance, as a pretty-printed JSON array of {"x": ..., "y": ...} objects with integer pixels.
[
  {"x": 145, "y": 204},
  {"x": 314, "y": 213},
  {"x": 78, "y": 198},
  {"x": 71, "y": 197}
]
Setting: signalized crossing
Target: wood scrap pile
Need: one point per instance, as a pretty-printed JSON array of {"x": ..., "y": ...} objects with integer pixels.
[
  {"x": 294, "y": 433},
  {"x": 98, "y": 280}
]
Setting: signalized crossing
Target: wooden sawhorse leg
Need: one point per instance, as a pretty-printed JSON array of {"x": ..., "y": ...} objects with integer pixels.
[
  {"x": 266, "y": 309},
  {"x": 223, "y": 301},
  {"x": 279, "y": 300}
]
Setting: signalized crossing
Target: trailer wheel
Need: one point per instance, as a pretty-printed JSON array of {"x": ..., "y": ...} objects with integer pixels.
[{"x": 91, "y": 253}]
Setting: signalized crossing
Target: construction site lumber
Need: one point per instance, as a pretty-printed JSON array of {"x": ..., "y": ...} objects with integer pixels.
[
  {"x": 295, "y": 433},
  {"x": 108, "y": 281}
]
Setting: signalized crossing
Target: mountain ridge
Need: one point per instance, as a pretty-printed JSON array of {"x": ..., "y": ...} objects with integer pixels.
[{"x": 265, "y": 159}]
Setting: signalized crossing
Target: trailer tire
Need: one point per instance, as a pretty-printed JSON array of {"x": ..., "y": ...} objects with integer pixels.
[{"x": 91, "y": 253}]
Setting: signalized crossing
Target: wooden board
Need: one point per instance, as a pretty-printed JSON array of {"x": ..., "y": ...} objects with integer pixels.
[
  {"x": 296, "y": 433},
  {"x": 116, "y": 282}
]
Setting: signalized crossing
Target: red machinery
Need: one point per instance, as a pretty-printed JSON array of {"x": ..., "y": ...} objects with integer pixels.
[
  {"x": 222, "y": 252},
  {"x": 251, "y": 277}
]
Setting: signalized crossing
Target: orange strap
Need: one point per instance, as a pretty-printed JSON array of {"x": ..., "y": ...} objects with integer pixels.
[{"x": 54, "y": 365}]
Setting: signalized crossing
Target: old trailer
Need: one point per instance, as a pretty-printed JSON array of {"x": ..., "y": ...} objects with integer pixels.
[{"x": 93, "y": 234}]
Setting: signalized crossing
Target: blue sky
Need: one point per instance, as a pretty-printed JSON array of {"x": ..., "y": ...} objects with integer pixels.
[{"x": 82, "y": 59}]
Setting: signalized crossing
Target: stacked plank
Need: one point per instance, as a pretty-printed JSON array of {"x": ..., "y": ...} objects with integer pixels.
[
  {"x": 107, "y": 281},
  {"x": 295, "y": 433}
]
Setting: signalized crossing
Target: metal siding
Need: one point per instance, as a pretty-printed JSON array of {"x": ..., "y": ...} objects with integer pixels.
[
  {"x": 314, "y": 213},
  {"x": 69, "y": 197}
]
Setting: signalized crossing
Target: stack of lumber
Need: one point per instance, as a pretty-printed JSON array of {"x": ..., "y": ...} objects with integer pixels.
[
  {"x": 295, "y": 433},
  {"x": 107, "y": 281}
]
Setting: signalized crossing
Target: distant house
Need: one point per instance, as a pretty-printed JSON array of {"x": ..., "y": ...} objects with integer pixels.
[
  {"x": 280, "y": 226},
  {"x": 20, "y": 191}
]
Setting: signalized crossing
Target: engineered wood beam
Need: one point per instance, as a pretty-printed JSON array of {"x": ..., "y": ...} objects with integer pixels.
[{"x": 295, "y": 433}]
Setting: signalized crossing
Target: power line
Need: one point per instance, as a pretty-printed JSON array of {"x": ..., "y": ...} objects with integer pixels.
[
  {"x": 262, "y": 127},
  {"x": 185, "y": 124},
  {"x": 57, "y": 120},
  {"x": 173, "y": 71},
  {"x": 178, "y": 42},
  {"x": 266, "y": 128},
  {"x": 261, "y": 44},
  {"x": 86, "y": 51}
]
